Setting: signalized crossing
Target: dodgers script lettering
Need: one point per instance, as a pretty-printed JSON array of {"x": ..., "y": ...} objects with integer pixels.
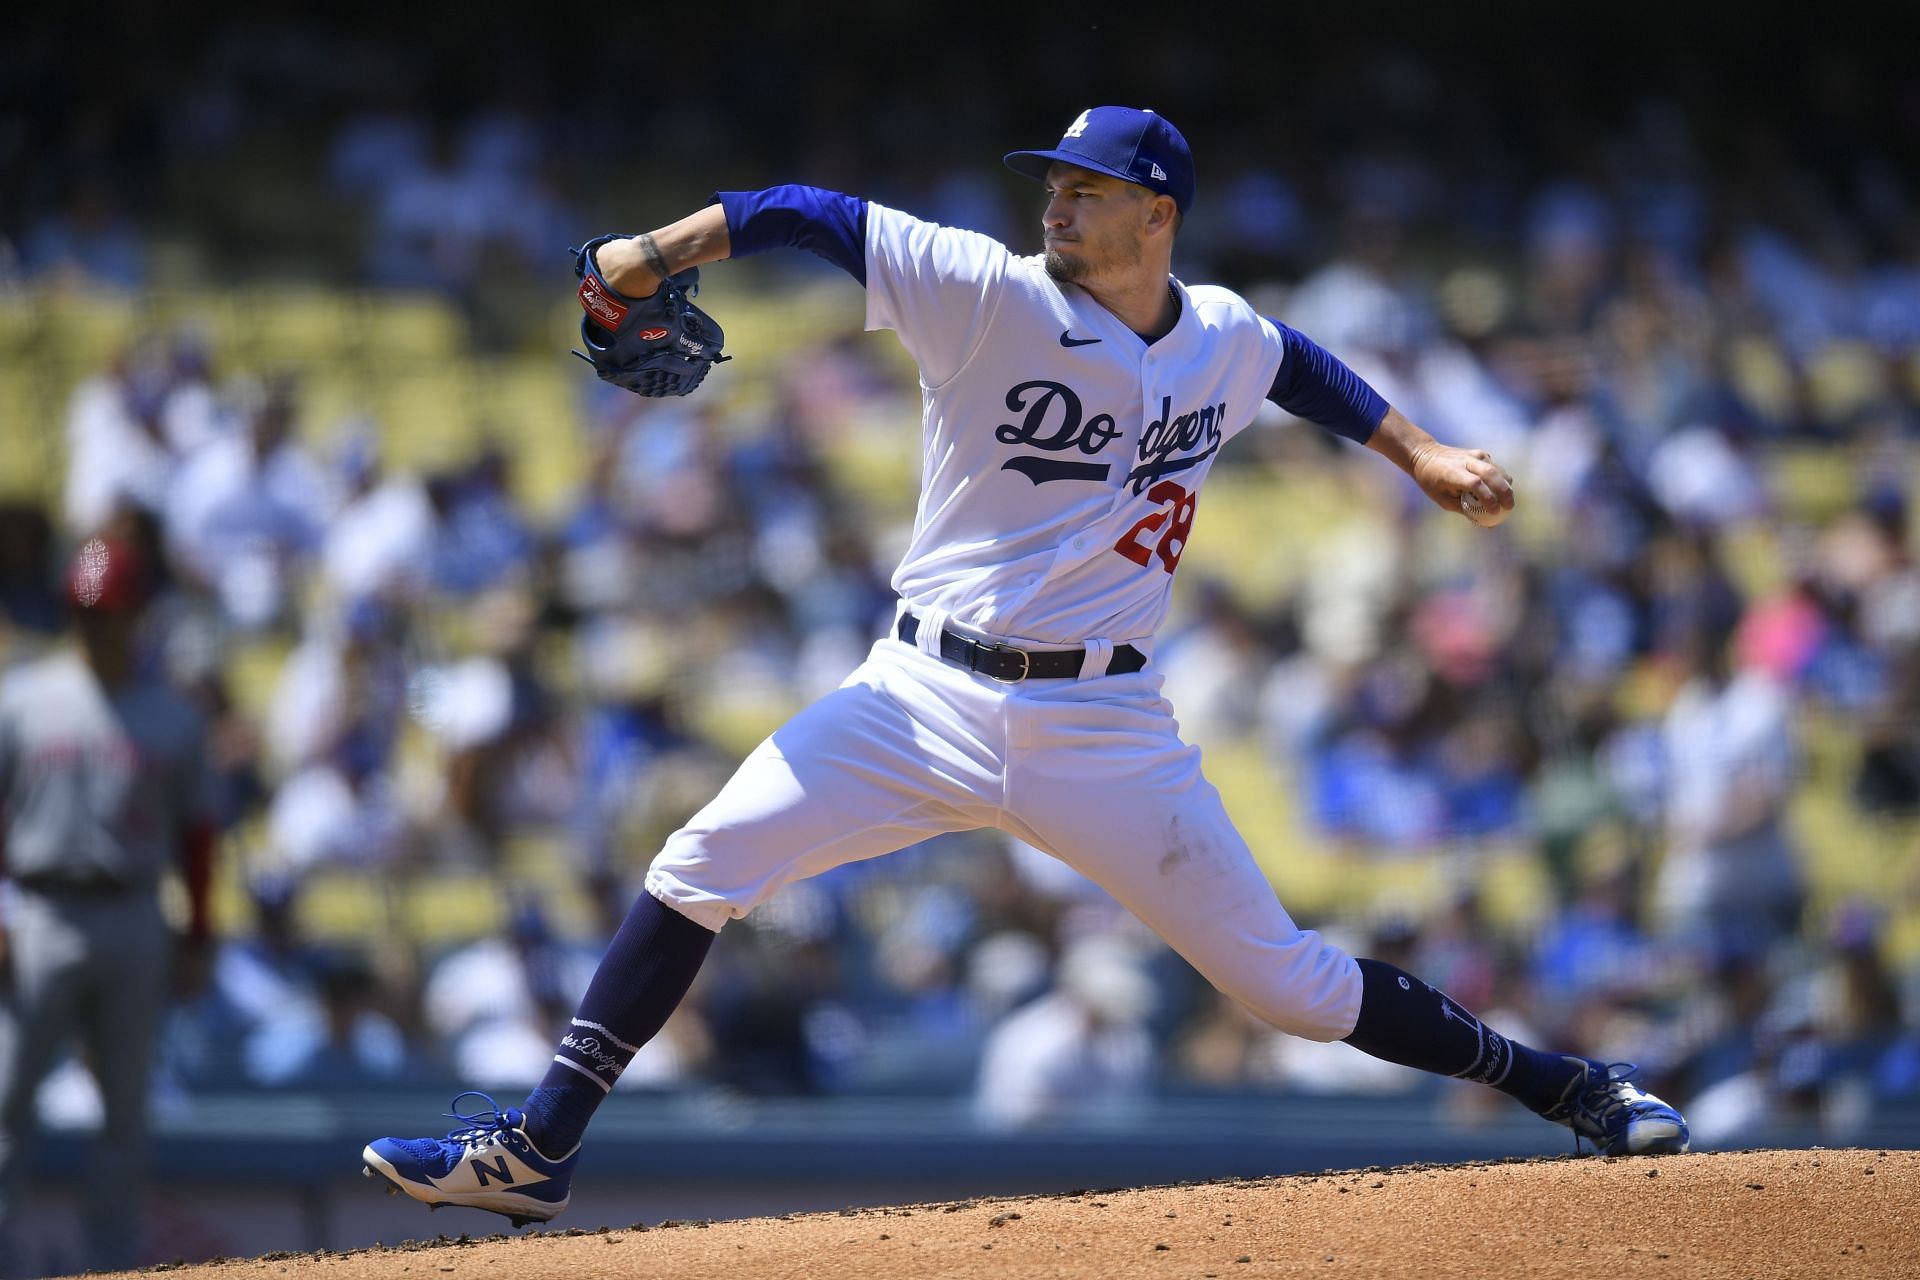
[
  {"x": 1167, "y": 436},
  {"x": 1054, "y": 419}
]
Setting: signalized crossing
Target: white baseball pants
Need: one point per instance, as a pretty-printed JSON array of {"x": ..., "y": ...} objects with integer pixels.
[{"x": 1091, "y": 770}]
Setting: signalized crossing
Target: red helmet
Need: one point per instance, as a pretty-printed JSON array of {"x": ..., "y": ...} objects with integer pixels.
[{"x": 107, "y": 575}]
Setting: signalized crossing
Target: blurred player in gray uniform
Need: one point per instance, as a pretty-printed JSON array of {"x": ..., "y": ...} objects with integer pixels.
[{"x": 102, "y": 788}]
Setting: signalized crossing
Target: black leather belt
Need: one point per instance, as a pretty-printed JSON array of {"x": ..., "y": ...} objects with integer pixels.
[{"x": 1009, "y": 665}]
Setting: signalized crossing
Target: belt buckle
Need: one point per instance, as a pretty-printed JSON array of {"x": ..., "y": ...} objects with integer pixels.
[{"x": 1026, "y": 663}]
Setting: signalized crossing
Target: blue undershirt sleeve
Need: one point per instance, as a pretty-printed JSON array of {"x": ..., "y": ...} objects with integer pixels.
[
  {"x": 825, "y": 223},
  {"x": 1315, "y": 385}
]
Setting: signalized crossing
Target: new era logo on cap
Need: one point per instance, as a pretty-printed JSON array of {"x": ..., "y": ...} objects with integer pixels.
[{"x": 1125, "y": 142}]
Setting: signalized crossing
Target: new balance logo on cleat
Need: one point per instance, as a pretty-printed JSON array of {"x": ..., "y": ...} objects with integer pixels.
[
  {"x": 488, "y": 1163},
  {"x": 499, "y": 1170}
]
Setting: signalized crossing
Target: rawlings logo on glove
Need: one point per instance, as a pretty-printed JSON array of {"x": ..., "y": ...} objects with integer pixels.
[
  {"x": 657, "y": 346},
  {"x": 593, "y": 296}
]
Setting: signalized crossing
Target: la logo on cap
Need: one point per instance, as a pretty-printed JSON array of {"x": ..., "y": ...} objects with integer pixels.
[{"x": 1129, "y": 143}]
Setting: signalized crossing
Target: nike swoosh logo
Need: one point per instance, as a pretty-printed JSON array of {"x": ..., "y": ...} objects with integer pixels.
[{"x": 1068, "y": 340}]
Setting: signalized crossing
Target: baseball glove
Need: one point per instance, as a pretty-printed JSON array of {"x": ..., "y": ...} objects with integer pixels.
[{"x": 657, "y": 346}]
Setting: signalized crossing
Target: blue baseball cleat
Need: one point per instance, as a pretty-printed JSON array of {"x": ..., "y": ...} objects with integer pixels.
[
  {"x": 489, "y": 1163},
  {"x": 1604, "y": 1107}
]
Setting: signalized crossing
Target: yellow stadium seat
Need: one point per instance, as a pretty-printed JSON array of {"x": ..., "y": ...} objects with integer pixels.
[
  {"x": 430, "y": 907},
  {"x": 20, "y": 326},
  {"x": 231, "y": 904},
  {"x": 537, "y": 864},
  {"x": 1245, "y": 536},
  {"x": 1843, "y": 378},
  {"x": 339, "y": 905},
  {"x": 1753, "y": 559},
  {"x": 425, "y": 417},
  {"x": 527, "y": 405},
  {"x": 877, "y": 467},
  {"x": 253, "y": 672},
  {"x": 1760, "y": 371},
  {"x": 86, "y": 331},
  {"x": 1902, "y": 945},
  {"x": 30, "y": 436},
  {"x": 1812, "y": 483},
  {"x": 399, "y": 331},
  {"x": 1317, "y": 877},
  {"x": 329, "y": 396},
  {"x": 297, "y": 329},
  {"x": 1260, "y": 802},
  {"x": 735, "y": 725},
  {"x": 447, "y": 906}
]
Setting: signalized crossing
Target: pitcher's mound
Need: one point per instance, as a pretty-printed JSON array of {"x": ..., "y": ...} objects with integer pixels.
[{"x": 1751, "y": 1213}]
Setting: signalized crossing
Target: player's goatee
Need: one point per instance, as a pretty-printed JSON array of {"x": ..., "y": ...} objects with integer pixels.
[{"x": 1065, "y": 270}]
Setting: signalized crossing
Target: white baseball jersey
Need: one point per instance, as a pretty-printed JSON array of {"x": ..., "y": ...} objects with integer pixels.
[{"x": 1063, "y": 456}]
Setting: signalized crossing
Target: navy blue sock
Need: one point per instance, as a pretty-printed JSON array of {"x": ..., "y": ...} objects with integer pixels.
[
  {"x": 641, "y": 980},
  {"x": 1404, "y": 1020}
]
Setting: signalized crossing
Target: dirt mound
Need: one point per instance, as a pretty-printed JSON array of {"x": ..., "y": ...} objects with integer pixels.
[{"x": 1753, "y": 1213}]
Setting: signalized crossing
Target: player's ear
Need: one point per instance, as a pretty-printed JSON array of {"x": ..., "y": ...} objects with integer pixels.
[{"x": 1162, "y": 215}]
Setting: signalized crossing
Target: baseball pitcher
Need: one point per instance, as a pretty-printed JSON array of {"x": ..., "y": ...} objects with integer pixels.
[{"x": 1074, "y": 403}]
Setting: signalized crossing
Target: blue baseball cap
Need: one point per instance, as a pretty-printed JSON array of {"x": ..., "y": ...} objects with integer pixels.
[{"x": 1125, "y": 142}]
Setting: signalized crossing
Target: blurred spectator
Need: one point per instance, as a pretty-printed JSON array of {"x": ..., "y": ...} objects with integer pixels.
[
  {"x": 1857, "y": 1001},
  {"x": 429, "y": 215},
  {"x": 381, "y": 143},
  {"x": 1827, "y": 1049},
  {"x": 337, "y": 714},
  {"x": 1074, "y": 1052},
  {"x": 1888, "y": 779},
  {"x": 495, "y": 722},
  {"x": 377, "y": 546},
  {"x": 253, "y": 978},
  {"x": 339, "y": 809},
  {"x": 129, "y": 428},
  {"x": 1595, "y": 946},
  {"x": 496, "y": 1001},
  {"x": 773, "y": 1005},
  {"x": 248, "y": 508},
  {"x": 478, "y": 537},
  {"x": 1363, "y": 303},
  {"x": 340, "y": 1040},
  {"x": 1210, "y": 661},
  {"x": 1730, "y": 875},
  {"x": 343, "y": 689},
  {"x": 1701, "y": 478},
  {"x": 450, "y": 203}
]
